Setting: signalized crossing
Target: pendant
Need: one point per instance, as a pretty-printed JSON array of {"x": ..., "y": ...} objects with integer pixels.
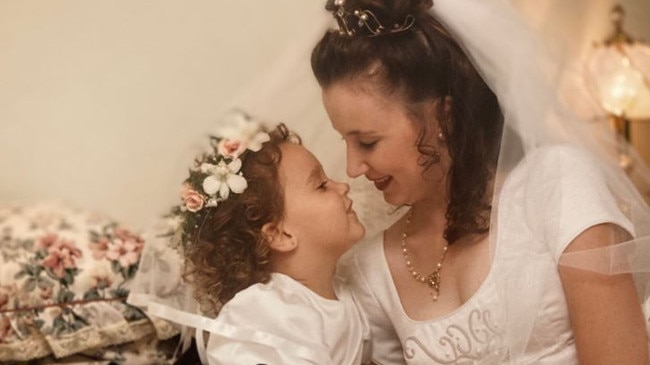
[{"x": 433, "y": 280}]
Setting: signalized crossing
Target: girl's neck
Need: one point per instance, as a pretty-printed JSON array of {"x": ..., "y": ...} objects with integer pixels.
[{"x": 317, "y": 275}]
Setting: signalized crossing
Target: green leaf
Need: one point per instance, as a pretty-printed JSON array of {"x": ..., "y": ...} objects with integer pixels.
[
  {"x": 44, "y": 283},
  {"x": 29, "y": 269},
  {"x": 60, "y": 296},
  {"x": 59, "y": 325},
  {"x": 69, "y": 296},
  {"x": 77, "y": 324},
  {"x": 52, "y": 275},
  {"x": 115, "y": 265},
  {"x": 120, "y": 293},
  {"x": 132, "y": 313},
  {"x": 68, "y": 279},
  {"x": 94, "y": 236},
  {"x": 92, "y": 294},
  {"x": 29, "y": 285}
]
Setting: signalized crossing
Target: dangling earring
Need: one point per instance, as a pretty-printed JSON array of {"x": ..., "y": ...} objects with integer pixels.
[{"x": 441, "y": 137}]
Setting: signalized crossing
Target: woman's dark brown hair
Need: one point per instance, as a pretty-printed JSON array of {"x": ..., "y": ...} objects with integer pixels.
[
  {"x": 416, "y": 66},
  {"x": 230, "y": 252}
]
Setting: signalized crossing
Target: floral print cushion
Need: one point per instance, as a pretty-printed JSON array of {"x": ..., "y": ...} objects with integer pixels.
[{"x": 64, "y": 278}]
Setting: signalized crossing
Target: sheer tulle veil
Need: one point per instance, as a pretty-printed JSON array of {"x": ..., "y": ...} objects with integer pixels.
[{"x": 511, "y": 59}]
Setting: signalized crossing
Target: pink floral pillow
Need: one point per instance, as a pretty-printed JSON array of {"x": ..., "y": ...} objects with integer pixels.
[{"x": 64, "y": 280}]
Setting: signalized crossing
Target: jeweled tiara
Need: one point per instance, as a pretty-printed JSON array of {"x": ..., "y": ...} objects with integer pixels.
[{"x": 361, "y": 22}]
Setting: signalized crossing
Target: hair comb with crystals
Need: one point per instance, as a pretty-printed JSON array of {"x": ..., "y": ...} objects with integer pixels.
[{"x": 365, "y": 23}]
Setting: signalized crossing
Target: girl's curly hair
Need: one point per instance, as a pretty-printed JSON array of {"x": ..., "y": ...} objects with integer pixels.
[{"x": 230, "y": 253}]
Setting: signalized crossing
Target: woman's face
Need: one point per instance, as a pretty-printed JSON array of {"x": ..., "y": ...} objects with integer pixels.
[{"x": 381, "y": 142}]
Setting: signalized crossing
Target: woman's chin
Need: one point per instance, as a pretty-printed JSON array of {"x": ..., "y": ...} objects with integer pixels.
[{"x": 393, "y": 199}]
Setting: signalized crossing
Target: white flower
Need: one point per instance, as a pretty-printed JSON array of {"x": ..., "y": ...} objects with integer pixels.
[
  {"x": 245, "y": 131},
  {"x": 223, "y": 179},
  {"x": 255, "y": 143},
  {"x": 174, "y": 223}
]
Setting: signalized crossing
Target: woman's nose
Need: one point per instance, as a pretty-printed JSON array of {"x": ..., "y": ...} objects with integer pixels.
[{"x": 355, "y": 164}]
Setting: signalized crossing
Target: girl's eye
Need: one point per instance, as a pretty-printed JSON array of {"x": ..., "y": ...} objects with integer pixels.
[{"x": 323, "y": 185}]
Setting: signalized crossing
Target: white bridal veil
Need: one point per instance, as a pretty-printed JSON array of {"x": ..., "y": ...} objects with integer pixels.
[{"x": 511, "y": 59}]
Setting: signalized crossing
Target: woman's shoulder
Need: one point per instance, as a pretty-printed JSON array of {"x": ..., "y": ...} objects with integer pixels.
[
  {"x": 561, "y": 191},
  {"x": 558, "y": 158},
  {"x": 556, "y": 167}
]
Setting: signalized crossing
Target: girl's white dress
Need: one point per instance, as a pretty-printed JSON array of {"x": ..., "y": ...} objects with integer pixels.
[
  {"x": 283, "y": 322},
  {"x": 544, "y": 204}
]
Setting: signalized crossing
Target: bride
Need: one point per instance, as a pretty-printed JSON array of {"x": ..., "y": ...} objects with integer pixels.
[{"x": 448, "y": 111}]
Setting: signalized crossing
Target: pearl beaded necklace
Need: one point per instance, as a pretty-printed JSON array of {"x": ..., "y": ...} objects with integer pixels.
[{"x": 432, "y": 280}]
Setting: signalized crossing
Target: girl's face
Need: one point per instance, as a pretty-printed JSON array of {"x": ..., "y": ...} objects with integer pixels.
[
  {"x": 317, "y": 209},
  {"x": 381, "y": 142}
]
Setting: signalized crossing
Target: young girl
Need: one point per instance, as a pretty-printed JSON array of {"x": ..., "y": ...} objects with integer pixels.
[{"x": 262, "y": 228}]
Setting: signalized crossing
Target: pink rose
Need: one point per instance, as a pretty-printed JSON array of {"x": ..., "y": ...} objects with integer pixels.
[
  {"x": 193, "y": 201},
  {"x": 127, "y": 253},
  {"x": 126, "y": 235},
  {"x": 61, "y": 255},
  {"x": 231, "y": 148},
  {"x": 48, "y": 240},
  {"x": 6, "y": 292},
  {"x": 102, "y": 281},
  {"x": 6, "y": 331},
  {"x": 99, "y": 248}
]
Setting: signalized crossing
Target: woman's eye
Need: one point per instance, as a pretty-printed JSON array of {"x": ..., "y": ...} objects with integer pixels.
[{"x": 367, "y": 145}]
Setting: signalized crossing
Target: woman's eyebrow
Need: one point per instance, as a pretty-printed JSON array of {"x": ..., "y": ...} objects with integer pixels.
[{"x": 359, "y": 133}]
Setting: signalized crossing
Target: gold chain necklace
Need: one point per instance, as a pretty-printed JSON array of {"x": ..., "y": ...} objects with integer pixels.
[{"x": 432, "y": 280}]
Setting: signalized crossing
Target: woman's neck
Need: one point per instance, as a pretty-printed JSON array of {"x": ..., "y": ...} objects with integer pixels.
[{"x": 431, "y": 215}]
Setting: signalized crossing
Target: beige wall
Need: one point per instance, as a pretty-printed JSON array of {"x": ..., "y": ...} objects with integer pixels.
[{"x": 100, "y": 100}]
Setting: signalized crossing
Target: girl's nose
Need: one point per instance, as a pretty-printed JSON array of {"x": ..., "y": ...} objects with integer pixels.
[{"x": 341, "y": 187}]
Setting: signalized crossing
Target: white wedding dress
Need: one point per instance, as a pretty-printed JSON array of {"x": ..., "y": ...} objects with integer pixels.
[{"x": 474, "y": 333}]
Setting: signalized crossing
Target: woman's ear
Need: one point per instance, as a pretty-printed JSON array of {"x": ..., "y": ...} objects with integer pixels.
[
  {"x": 447, "y": 104},
  {"x": 279, "y": 238},
  {"x": 441, "y": 108}
]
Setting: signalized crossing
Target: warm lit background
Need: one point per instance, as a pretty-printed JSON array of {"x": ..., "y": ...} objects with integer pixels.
[{"x": 102, "y": 102}]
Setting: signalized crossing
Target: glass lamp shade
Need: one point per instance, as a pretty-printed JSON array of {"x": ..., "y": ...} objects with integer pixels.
[{"x": 619, "y": 75}]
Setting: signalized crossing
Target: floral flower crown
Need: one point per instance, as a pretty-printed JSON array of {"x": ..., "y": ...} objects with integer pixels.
[{"x": 216, "y": 174}]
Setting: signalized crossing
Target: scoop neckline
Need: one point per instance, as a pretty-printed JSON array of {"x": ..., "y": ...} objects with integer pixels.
[{"x": 395, "y": 295}]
